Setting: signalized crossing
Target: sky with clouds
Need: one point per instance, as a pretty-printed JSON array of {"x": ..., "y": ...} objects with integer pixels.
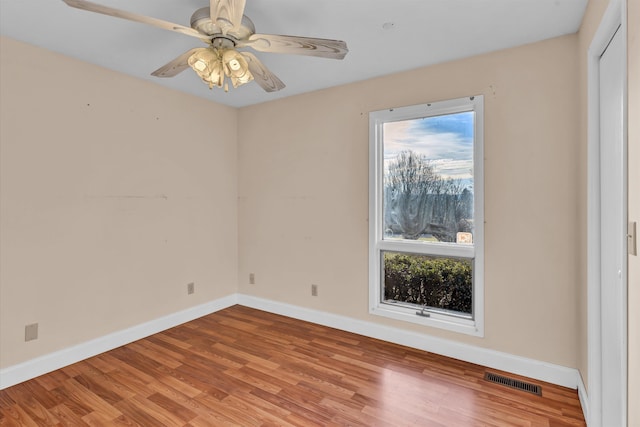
[{"x": 447, "y": 141}]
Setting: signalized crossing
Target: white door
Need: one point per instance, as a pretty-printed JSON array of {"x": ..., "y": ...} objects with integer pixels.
[{"x": 613, "y": 208}]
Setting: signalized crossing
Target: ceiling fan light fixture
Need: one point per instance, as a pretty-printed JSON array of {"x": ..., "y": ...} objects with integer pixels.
[
  {"x": 202, "y": 60},
  {"x": 236, "y": 67},
  {"x": 213, "y": 65}
]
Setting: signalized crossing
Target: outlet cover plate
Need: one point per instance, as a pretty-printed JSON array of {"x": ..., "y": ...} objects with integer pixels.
[{"x": 31, "y": 332}]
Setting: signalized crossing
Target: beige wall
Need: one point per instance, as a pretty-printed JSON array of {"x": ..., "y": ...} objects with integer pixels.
[
  {"x": 303, "y": 194},
  {"x": 115, "y": 193},
  {"x": 633, "y": 47}
]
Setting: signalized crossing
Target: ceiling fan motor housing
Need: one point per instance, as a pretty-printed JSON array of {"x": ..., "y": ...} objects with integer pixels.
[{"x": 201, "y": 22}]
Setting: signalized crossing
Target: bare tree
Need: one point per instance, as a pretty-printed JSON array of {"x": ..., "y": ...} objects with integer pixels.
[
  {"x": 410, "y": 180},
  {"x": 418, "y": 200}
]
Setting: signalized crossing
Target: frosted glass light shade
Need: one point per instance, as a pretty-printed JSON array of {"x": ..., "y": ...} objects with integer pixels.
[{"x": 213, "y": 65}]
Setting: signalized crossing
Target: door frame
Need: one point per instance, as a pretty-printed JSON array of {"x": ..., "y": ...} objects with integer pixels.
[{"x": 614, "y": 19}]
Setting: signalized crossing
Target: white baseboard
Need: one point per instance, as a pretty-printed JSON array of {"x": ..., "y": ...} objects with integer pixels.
[
  {"x": 543, "y": 371},
  {"x": 41, "y": 365},
  {"x": 584, "y": 399}
]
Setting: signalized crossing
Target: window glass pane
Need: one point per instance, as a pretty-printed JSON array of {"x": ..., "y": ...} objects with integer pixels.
[
  {"x": 428, "y": 178},
  {"x": 444, "y": 283}
]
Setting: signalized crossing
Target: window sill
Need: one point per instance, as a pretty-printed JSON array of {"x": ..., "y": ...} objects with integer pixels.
[{"x": 435, "y": 320}]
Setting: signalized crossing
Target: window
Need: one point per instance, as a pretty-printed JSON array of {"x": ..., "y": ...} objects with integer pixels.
[{"x": 426, "y": 214}]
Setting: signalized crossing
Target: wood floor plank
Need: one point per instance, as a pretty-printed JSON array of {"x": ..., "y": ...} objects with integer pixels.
[
  {"x": 279, "y": 413},
  {"x": 31, "y": 390},
  {"x": 98, "y": 419},
  {"x": 104, "y": 388},
  {"x": 301, "y": 404},
  {"x": 71, "y": 403},
  {"x": 15, "y": 415},
  {"x": 253, "y": 380},
  {"x": 245, "y": 367},
  {"x": 88, "y": 398},
  {"x": 51, "y": 380},
  {"x": 170, "y": 385},
  {"x": 67, "y": 416},
  {"x": 158, "y": 354},
  {"x": 6, "y": 400}
]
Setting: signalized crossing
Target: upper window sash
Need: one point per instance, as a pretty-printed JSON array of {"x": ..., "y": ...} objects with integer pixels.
[{"x": 377, "y": 119}]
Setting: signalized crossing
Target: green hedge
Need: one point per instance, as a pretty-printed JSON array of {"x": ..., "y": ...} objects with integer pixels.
[{"x": 444, "y": 283}]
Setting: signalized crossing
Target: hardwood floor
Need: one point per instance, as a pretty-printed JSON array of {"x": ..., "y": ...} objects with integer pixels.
[{"x": 244, "y": 367}]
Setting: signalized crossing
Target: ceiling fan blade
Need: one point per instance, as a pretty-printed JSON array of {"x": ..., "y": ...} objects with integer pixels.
[
  {"x": 93, "y": 7},
  {"x": 227, "y": 14},
  {"x": 324, "y": 48},
  {"x": 176, "y": 66},
  {"x": 261, "y": 74}
]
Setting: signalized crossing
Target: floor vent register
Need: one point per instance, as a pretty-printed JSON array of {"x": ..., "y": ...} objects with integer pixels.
[{"x": 513, "y": 383}]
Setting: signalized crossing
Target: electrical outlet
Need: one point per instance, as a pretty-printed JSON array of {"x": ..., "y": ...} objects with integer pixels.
[
  {"x": 191, "y": 288},
  {"x": 31, "y": 332},
  {"x": 252, "y": 279},
  {"x": 314, "y": 290}
]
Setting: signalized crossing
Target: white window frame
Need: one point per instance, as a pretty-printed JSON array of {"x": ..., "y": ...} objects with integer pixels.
[{"x": 377, "y": 243}]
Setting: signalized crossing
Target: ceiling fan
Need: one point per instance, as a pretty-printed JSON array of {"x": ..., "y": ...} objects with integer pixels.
[{"x": 225, "y": 28}]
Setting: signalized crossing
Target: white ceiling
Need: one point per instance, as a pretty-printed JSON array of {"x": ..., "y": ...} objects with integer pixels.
[{"x": 423, "y": 32}]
